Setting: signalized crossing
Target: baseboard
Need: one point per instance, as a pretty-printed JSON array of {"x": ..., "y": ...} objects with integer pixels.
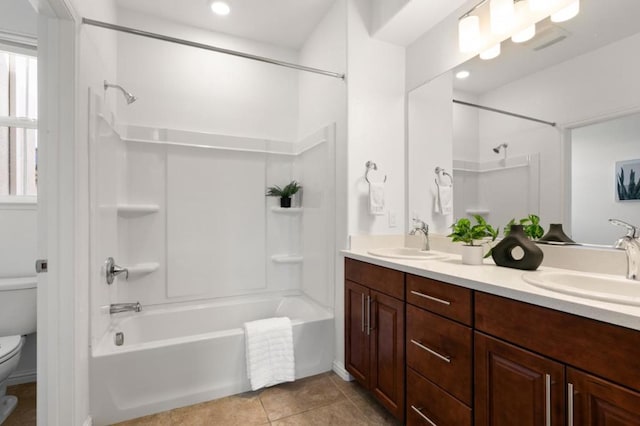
[
  {"x": 338, "y": 368},
  {"x": 88, "y": 422},
  {"x": 20, "y": 377}
]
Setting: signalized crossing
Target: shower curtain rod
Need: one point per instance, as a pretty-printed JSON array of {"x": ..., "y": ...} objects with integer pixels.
[
  {"x": 500, "y": 111},
  {"x": 208, "y": 47}
]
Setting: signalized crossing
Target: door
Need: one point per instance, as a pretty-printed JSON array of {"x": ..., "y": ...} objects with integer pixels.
[
  {"x": 595, "y": 402},
  {"x": 516, "y": 387},
  {"x": 356, "y": 325},
  {"x": 387, "y": 352}
]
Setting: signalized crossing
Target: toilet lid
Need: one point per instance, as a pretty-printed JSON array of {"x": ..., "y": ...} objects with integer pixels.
[{"x": 8, "y": 347}]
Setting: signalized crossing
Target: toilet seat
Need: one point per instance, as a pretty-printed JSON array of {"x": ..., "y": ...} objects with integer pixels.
[{"x": 9, "y": 346}]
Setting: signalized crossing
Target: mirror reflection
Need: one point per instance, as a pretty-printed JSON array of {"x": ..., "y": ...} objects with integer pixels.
[{"x": 578, "y": 81}]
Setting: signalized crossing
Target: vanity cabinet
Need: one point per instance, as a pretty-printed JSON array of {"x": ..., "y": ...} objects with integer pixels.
[
  {"x": 528, "y": 371},
  {"x": 374, "y": 331}
]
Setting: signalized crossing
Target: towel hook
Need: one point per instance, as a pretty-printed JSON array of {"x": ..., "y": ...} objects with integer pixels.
[
  {"x": 439, "y": 170},
  {"x": 372, "y": 166}
]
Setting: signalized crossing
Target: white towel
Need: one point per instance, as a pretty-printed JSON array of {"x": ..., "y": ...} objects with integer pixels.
[
  {"x": 444, "y": 203},
  {"x": 269, "y": 350},
  {"x": 376, "y": 198}
]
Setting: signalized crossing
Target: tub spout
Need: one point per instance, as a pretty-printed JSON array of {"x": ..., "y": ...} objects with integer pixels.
[{"x": 116, "y": 308}]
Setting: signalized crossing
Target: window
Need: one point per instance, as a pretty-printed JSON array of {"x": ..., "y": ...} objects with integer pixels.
[{"x": 18, "y": 124}]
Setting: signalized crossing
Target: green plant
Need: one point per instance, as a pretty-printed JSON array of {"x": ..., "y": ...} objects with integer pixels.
[
  {"x": 530, "y": 225},
  {"x": 464, "y": 231},
  {"x": 286, "y": 192}
]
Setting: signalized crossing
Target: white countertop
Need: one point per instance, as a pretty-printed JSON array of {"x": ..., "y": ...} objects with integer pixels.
[{"x": 506, "y": 282}]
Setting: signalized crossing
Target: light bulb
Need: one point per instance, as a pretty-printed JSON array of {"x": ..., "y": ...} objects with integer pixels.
[
  {"x": 566, "y": 13},
  {"x": 490, "y": 53},
  {"x": 502, "y": 16},
  {"x": 522, "y": 12},
  {"x": 462, "y": 74},
  {"x": 469, "y": 33},
  {"x": 538, "y": 5},
  {"x": 220, "y": 8}
]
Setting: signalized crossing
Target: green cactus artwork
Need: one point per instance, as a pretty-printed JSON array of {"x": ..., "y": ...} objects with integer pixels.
[{"x": 628, "y": 189}]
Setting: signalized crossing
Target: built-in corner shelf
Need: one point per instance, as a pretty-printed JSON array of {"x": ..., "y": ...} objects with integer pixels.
[
  {"x": 286, "y": 258},
  {"x": 287, "y": 210},
  {"x": 141, "y": 269},
  {"x": 134, "y": 210},
  {"x": 481, "y": 212}
]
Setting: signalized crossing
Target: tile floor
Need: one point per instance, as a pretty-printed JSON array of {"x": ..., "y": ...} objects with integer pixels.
[
  {"x": 25, "y": 412},
  {"x": 319, "y": 400}
]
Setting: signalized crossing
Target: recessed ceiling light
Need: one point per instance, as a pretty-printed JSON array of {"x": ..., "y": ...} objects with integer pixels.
[
  {"x": 220, "y": 8},
  {"x": 463, "y": 74}
]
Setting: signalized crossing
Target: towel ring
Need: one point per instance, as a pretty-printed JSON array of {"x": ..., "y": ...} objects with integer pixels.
[
  {"x": 372, "y": 166},
  {"x": 440, "y": 170}
]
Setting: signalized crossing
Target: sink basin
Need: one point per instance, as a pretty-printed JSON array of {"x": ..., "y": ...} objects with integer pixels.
[
  {"x": 405, "y": 253},
  {"x": 589, "y": 286}
]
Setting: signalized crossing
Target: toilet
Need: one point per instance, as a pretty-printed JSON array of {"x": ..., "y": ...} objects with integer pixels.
[{"x": 17, "y": 319}]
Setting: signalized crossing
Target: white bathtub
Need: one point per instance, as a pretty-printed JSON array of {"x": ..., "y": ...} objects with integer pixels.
[{"x": 181, "y": 355}]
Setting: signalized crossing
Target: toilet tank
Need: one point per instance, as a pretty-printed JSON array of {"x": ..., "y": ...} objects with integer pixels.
[{"x": 18, "y": 306}]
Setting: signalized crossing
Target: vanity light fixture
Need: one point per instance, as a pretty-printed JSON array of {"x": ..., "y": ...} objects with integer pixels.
[
  {"x": 502, "y": 15},
  {"x": 537, "y": 5},
  {"x": 468, "y": 33},
  {"x": 522, "y": 10},
  {"x": 461, "y": 75},
  {"x": 566, "y": 13},
  {"x": 490, "y": 53},
  {"x": 220, "y": 8}
]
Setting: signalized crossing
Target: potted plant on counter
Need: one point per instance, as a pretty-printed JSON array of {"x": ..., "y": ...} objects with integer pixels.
[
  {"x": 530, "y": 225},
  {"x": 284, "y": 193},
  {"x": 464, "y": 231}
]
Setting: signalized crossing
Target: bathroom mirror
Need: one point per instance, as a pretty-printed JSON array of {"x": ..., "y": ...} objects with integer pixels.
[{"x": 573, "y": 74}]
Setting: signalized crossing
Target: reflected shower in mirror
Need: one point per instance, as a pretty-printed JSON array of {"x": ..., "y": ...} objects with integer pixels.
[{"x": 576, "y": 73}]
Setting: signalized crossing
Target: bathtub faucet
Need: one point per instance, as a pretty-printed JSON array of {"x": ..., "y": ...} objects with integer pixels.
[{"x": 116, "y": 308}]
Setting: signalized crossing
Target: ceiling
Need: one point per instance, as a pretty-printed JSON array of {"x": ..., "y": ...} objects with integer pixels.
[
  {"x": 598, "y": 24},
  {"x": 286, "y": 23}
]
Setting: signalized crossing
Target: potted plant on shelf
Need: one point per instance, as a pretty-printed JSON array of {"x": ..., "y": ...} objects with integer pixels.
[
  {"x": 464, "y": 231},
  {"x": 284, "y": 193}
]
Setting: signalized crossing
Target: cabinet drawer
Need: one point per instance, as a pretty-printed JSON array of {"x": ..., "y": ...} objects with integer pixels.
[
  {"x": 604, "y": 349},
  {"x": 440, "y": 350},
  {"x": 384, "y": 280},
  {"x": 427, "y": 401},
  {"x": 447, "y": 300}
]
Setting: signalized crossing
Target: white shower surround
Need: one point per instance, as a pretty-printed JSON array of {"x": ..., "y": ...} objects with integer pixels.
[{"x": 177, "y": 355}]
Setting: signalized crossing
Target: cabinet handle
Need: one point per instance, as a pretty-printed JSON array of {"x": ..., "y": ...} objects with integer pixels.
[
  {"x": 435, "y": 299},
  {"x": 570, "y": 404},
  {"x": 362, "y": 312},
  {"x": 368, "y": 315},
  {"x": 445, "y": 358},
  {"x": 547, "y": 390},
  {"x": 419, "y": 411}
]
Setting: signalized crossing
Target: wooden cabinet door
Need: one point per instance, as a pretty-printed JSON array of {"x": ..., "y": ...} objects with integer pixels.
[
  {"x": 387, "y": 352},
  {"x": 356, "y": 334},
  {"x": 597, "y": 402},
  {"x": 516, "y": 387}
]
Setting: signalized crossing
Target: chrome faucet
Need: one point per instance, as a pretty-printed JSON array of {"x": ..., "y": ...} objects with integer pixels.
[
  {"x": 630, "y": 243},
  {"x": 116, "y": 308},
  {"x": 420, "y": 226}
]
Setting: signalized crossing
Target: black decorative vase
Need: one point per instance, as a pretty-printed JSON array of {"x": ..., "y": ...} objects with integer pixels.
[
  {"x": 502, "y": 253},
  {"x": 285, "y": 202},
  {"x": 556, "y": 234}
]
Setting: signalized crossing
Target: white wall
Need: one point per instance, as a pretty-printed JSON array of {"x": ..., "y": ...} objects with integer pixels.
[
  {"x": 430, "y": 130},
  {"x": 595, "y": 150},
  {"x": 17, "y": 16},
  {"x": 180, "y": 87}
]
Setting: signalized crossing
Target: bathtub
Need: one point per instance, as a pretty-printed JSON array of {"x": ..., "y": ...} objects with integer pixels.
[{"x": 174, "y": 356}]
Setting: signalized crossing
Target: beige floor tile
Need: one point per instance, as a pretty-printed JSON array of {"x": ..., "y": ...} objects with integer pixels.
[
  {"x": 371, "y": 409},
  {"x": 243, "y": 409},
  {"x": 342, "y": 413},
  {"x": 25, "y": 412},
  {"x": 297, "y": 397},
  {"x": 160, "y": 419}
]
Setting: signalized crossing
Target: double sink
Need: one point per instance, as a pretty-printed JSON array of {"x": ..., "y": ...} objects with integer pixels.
[{"x": 606, "y": 288}]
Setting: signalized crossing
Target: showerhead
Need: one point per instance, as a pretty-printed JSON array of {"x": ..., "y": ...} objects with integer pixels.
[
  {"x": 129, "y": 97},
  {"x": 499, "y": 147}
]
